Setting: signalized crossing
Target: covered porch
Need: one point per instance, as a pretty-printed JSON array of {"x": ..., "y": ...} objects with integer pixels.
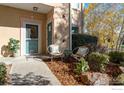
[{"x": 26, "y": 23}]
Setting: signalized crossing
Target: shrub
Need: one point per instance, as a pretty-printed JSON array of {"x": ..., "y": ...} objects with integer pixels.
[
  {"x": 2, "y": 73},
  {"x": 113, "y": 70},
  {"x": 116, "y": 56},
  {"x": 82, "y": 66},
  {"x": 83, "y": 39},
  {"x": 120, "y": 79},
  {"x": 98, "y": 61},
  {"x": 13, "y": 45}
]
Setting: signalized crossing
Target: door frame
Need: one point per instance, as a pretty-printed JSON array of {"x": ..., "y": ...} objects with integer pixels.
[{"x": 23, "y": 35}]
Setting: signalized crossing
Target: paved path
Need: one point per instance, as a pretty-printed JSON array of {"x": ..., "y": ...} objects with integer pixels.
[
  {"x": 11, "y": 60},
  {"x": 32, "y": 72}
]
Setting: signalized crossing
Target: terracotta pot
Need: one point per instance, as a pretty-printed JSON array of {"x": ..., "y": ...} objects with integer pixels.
[{"x": 14, "y": 54}]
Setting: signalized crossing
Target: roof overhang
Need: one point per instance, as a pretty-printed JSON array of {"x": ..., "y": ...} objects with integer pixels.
[{"x": 42, "y": 8}]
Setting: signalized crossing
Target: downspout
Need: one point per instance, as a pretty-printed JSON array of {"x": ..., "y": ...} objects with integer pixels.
[
  {"x": 70, "y": 28},
  {"x": 82, "y": 19}
]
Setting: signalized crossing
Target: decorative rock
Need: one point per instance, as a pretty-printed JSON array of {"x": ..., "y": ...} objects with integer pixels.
[
  {"x": 95, "y": 78},
  {"x": 101, "y": 79}
]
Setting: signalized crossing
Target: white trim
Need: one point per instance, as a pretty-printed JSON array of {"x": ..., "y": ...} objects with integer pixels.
[
  {"x": 74, "y": 6},
  {"x": 23, "y": 35}
]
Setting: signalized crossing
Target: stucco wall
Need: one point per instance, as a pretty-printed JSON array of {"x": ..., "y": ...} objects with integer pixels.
[{"x": 10, "y": 24}]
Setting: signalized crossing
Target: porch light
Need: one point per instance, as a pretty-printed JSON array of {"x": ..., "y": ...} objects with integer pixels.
[{"x": 35, "y": 9}]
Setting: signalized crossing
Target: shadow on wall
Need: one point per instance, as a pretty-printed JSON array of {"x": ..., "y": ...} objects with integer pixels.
[
  {"x": 5, "y": 52},
  {"x": 8, "y": 17}
]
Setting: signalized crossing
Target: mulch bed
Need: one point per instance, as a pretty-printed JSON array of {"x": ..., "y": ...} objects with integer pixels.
[{"x": 64, "y": 72}]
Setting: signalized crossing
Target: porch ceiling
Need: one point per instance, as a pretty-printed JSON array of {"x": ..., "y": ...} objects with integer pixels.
[{"x": 42, "y": 8}]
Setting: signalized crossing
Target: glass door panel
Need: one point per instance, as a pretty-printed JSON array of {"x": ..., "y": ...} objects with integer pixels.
[{"x": 31, "y": 39}]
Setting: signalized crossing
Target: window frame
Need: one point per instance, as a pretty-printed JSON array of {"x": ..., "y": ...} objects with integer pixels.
[{"x": 77, "y": 7}]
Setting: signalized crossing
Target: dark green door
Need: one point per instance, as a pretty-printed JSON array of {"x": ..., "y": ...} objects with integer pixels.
[{"x": 49, "y": 34}]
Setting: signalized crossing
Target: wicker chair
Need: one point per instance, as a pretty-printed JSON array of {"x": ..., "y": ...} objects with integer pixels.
[
  {"x": 55, "y": 51},
  {"x": 79, "y": 52}
]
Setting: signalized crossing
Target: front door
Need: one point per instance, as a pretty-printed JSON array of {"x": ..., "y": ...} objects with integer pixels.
[
  {"x": 49, "y": 34},
  {"x": 31, "y": 39}
]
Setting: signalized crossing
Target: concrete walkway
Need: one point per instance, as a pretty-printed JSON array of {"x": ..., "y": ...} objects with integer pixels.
[
  {"x": 11, "y": 60},
  {"x": 32, "y": 72}
]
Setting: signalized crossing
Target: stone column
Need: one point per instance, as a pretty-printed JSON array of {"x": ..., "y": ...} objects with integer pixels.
[{"x": 61, "y": 25}]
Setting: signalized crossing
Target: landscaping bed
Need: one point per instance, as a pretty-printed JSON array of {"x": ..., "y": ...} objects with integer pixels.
[{"x": 64, "y": 71}]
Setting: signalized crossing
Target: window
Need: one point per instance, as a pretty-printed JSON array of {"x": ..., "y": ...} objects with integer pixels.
[
  {"x": 75, "y": 5},
  {"x": 31, "y": 31},
  {"x": 75, "y": 29}
]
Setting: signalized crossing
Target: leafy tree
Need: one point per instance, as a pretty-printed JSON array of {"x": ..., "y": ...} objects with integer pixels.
[{"x": 105, "y": 22}]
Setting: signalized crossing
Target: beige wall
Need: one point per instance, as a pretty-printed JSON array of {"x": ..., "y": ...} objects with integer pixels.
[{"x": 10, "y": 24}]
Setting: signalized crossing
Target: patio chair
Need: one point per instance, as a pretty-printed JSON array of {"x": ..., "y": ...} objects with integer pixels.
[
  {"x": 79, "y": 52},
  {"x": 54, "y": 51}
]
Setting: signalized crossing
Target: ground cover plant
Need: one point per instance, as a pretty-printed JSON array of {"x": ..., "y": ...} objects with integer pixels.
[{"x": 3, "y": 73}]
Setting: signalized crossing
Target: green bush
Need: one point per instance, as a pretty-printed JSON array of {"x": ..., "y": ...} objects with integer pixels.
[
  {"x": 98, "y": 61},
  {"x": 120, "y": 79},
  {"x": 13, "y": 45},
  {"x": 116, "y": 57},
  {"x": 82, "y": 66},
  {"x": 2, "y": 73},
  {"x": 83, "y": 39}
]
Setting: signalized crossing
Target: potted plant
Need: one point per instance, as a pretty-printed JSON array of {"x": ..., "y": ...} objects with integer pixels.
[{"x": 13, "y": 46}]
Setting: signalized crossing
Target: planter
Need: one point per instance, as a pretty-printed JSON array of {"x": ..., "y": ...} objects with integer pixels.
[{"x": 14, "y": 55}]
